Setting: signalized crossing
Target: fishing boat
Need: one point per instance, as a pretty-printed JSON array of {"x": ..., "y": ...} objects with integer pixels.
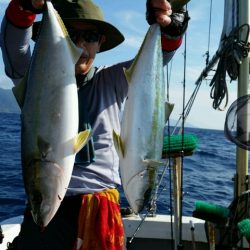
[{"x": 212, "y": 226}]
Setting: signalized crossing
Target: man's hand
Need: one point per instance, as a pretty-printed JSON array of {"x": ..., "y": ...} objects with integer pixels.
[
  {"x": 159, "y": 11},
  {"x": 34, "y": 6},
  {"x": 162, "y": 10},
  {"x": 38, "y": 4}
]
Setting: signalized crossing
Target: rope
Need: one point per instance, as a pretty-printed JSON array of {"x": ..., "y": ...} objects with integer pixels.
[{"x": 233, "y": 52}]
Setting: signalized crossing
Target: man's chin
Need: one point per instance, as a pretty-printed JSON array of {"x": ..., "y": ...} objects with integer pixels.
[
  {"x": 83, "y": 65},
  {"x": 82, "y": 69}
]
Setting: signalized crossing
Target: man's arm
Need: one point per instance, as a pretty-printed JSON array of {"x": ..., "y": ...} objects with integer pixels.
[{"x": 15, "y": 36}]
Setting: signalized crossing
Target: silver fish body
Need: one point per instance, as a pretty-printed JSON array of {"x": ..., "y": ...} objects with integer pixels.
[
  {"x": 140, "y": 142},
  {"x": 49, "y": 100}
]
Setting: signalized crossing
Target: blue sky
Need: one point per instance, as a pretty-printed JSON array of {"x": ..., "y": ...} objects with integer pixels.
[{"x": 129, "y": 17}]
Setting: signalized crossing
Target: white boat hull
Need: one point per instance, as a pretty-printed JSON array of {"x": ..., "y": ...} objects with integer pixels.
[{"x": 154, "y": 233}]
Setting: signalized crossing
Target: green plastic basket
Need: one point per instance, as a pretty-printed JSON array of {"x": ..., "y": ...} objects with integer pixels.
[{"x": 176, "y": 144}]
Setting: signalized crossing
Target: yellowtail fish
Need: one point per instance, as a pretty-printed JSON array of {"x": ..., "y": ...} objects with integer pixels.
[
  {"x": 140, "y": 142},
  {"x": 49, "y": 104}
]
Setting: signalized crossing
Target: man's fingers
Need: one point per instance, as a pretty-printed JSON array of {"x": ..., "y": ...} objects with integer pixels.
[{"x": 38, "y": 4}]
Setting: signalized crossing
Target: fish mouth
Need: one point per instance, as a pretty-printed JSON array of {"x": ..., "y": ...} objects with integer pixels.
[
  {"x": 142, "y": 203},
  {"x": 35, "y": 203},
  {"x": 43, "y": 201},
  {"x": 147, "y": 196},
  {"x": 139, "y": 205}
]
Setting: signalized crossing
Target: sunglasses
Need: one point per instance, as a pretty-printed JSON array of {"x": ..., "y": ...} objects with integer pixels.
[{"x": 89, "y": 36}]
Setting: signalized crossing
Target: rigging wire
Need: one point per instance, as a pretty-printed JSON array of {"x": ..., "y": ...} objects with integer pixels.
[
  {"x": 182, "y": 143},
  {"x": 168, "y": 165},
  {"x": 209, "y": 32},
  {"x": 170, "y": 181},
  {"x": 192, "y": 98}
]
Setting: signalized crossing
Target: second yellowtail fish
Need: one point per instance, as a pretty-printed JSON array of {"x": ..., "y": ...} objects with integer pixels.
[{"x": 140, "y": 142}]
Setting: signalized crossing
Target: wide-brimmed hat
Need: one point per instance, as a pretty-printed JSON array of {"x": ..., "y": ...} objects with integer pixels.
[{"x": 87, "y": 12}]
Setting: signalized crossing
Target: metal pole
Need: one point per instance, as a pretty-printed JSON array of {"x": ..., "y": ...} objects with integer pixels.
[
  {"x": 241, "y": 154},
  {"x": 177, "y": 165}
]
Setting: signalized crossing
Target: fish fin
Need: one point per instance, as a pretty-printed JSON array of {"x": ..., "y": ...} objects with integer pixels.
[
  {"x": 81, "y": 140},
  {"x": 152, "y": 163},
  {"x": 19, "y": 91},
  {"x": 119, "y": 145},
  {"x": 75, "y": 51},
  {"x": 129, "y": 71},
  {"x": 43, "y": 146},
  {"x": 128, "y": 74},
  {"x": 168, "y": 110}
]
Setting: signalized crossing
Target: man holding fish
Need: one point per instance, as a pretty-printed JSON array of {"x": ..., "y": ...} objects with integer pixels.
[{"x": 89, "y": 214}]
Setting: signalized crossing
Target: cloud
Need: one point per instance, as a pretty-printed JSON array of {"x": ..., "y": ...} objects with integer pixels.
[
  {"x": 198, "y": 10},
  {"x": 133, "y": 25},
  {"x": 202, "y": 113},
  {"x": 133, "y": 41},
  {"x": 132, "y": 21}
]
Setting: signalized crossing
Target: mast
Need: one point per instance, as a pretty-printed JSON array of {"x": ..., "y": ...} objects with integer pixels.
[{"x": 243, "y": 81}]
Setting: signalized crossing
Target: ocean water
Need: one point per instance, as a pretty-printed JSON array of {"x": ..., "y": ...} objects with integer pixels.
[{"x": 207, "y": 174}]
